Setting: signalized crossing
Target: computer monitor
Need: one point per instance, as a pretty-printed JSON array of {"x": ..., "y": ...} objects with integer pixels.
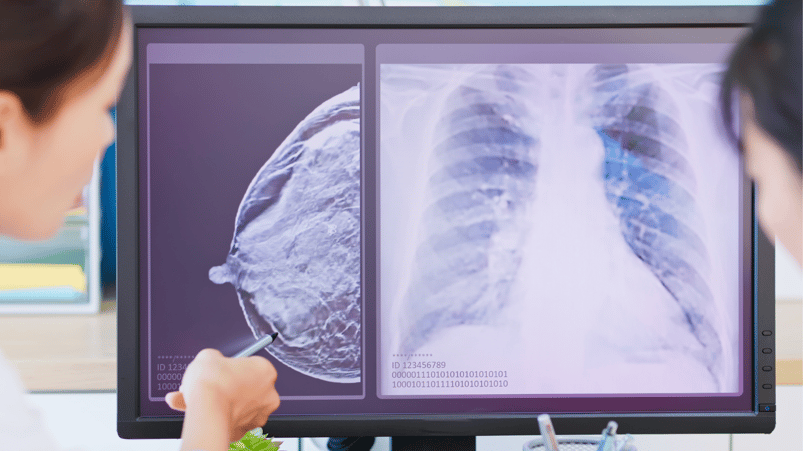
[{"x": 456, "y": 219}]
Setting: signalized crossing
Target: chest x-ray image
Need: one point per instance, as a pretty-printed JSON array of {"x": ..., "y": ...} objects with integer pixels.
[
  {"x": 295, "y": 256},
  {"x": 574, "y": 226}
]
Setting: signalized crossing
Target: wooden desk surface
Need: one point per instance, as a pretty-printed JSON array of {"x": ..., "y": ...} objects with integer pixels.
[
  {"x": 79, "y": 352},
  {"x": 63, "y": 352}
]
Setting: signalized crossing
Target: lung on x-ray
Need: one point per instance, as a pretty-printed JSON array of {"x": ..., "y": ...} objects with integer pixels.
[{"x": 567, "y": 210}]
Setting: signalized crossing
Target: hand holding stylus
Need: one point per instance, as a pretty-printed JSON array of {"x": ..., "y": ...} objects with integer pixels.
[
  {"x": 224, "y": 398},
  {"x": 176, "y": 400}
]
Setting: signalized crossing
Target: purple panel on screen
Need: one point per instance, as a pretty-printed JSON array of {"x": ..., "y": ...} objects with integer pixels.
[{"x": 242, "y": 128}]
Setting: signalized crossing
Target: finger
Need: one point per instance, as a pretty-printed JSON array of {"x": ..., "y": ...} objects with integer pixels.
[
  {"x": 237, "y": 435},
  {"x": 264, "y": 420},
  {"x": 175, "y": 400},
  {"x": 276, "y": 402}
]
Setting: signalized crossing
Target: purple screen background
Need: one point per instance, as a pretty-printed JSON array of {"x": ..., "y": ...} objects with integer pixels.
[
  {"x": 212, "y": 129},
  {"x": 209, "y": 138}
]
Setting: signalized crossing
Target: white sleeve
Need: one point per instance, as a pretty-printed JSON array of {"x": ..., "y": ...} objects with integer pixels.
[{"x": 21, "y": 425}]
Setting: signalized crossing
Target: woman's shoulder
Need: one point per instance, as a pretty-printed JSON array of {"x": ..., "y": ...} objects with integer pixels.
[{"x": 21, "y": 424}]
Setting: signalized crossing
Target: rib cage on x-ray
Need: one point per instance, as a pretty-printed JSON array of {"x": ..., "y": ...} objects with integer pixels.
[
  {"x": 485, "y": 152},
  {"x": 651, "y": 185},
  {"x": 486, "y": 156}
]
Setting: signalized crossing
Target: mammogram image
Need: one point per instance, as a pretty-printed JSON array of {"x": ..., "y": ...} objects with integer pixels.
[
  {"x": 569, "y": 205},
  {"x": 295, "y": 256}
]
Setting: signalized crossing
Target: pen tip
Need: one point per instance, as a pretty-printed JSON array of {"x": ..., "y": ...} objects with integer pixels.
[{"x": 274, "y": 335}]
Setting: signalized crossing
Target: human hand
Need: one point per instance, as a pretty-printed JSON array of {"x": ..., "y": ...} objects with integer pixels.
[{"x": 242, "y": 389}]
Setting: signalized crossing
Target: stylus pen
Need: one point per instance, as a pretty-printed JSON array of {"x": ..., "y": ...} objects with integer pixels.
[
  {"x": 547, "y": 433},
  {"x": 264, "y": 341}
]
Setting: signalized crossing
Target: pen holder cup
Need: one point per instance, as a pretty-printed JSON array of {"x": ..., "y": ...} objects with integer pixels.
[{"x": 565, "y": 444}]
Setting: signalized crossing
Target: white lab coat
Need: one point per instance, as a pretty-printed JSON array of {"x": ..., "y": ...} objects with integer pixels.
[{"x": 21, "y": 424}]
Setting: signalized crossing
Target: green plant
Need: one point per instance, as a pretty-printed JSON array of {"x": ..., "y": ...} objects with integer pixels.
[{"x": 253, "y": 440}]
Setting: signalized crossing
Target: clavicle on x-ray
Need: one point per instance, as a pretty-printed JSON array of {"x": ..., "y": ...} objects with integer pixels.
[{"x": 570, "y": 224}]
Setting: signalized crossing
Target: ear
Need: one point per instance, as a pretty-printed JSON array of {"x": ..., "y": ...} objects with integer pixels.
[{"x": 16, "y": 132}]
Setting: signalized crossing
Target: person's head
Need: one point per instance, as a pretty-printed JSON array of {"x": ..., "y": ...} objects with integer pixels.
[
  {"x": 763, "y": 82},
  {"x": 62, "y": 66}
]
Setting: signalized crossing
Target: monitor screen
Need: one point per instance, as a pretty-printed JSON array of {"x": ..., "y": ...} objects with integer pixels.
[{"x": 453, "y": 227}]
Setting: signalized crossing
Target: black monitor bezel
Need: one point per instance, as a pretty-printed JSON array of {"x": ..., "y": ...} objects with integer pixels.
[{"x": 131, "y": 425}]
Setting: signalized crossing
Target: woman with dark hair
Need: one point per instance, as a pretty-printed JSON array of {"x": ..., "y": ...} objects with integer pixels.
[
  {"x": 62, "y": 66},
  {"x": 764, "y": 80}
]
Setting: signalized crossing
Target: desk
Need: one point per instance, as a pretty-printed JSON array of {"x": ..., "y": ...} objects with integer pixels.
[
  {"x": 63, "y": 352},
  {"x": 79, "y": 352}
]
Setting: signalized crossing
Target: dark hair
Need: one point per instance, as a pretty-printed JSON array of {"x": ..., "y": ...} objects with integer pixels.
[
  {"x": 767, "y": 66},
  {"x": 45, "y": 44}
]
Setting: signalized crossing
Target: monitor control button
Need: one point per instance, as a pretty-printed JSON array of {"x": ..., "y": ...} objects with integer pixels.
[
  {"x": 766, "y": 333},
  {"x": 766, "y": 386},
  {"x": 766, "y": 407},
  {"x": 767, "y": 351},
  {"x": 767, "y": 368}
]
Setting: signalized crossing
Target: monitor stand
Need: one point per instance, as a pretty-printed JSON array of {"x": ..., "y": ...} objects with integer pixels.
[{"x": 433, "y": 443}]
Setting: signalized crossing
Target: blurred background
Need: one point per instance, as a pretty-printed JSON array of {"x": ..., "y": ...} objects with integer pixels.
[{"x": 69, "y": 362}]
